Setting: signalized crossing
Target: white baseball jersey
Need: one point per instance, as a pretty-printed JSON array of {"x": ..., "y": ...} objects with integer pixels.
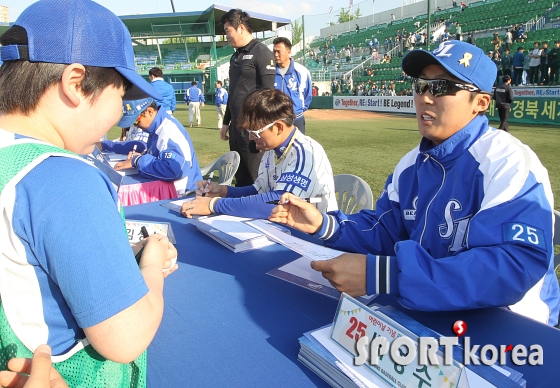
[{"x": 303, "y": 169}]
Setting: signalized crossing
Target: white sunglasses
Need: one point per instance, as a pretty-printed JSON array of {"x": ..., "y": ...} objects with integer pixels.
[{"x": 256, "y": 134}]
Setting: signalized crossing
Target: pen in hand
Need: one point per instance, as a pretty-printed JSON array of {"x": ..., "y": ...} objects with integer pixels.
[
  {"x": 207, "y": 183},
  {"x": 133, "y": 151},
  {"x": 145, "y": 234},
  {"x": 310, "y": 200}
]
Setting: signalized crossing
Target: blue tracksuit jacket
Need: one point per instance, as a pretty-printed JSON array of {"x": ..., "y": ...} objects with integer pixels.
[
  {"x": 167, "y": 92},
  {"x": 221, "y": 97},
  {"x": 296, "y": 83},
  {"x": 194, "y": 94},
  {"x": 170, "y": 155},
  {"x": 465, "y": 224}
]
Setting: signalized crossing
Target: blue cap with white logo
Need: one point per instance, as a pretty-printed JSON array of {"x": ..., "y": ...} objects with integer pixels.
[
  {"x": 461, "y": 59},
  {"x": 78, "y": 31},
  {"x": 133, "y": 109}
]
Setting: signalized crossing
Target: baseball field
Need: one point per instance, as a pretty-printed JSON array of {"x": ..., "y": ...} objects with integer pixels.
[{"x": 366, "y": 144}]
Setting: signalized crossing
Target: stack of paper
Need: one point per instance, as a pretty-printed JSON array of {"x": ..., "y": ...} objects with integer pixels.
[{"x": 232, "y": 232}]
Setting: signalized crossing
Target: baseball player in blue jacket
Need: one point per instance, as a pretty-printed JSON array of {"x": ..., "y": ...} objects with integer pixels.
[
  {"x": 195, "y": 99},
  {"x": 221, "y": 100},
  {"x": 170, "y": 154},
  {"x": 466, "y": 218},
  {"x": 293, "y": 79}
]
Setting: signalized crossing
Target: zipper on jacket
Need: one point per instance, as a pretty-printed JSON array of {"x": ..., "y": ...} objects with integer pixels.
[{"x": 434, "y": 197}]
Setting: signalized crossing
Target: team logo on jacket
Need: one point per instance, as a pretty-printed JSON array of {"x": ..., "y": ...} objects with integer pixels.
[
  {"x": 292, "y": 84},
  {"x": 454, "y": 229},
  {"x": 410, "y": 214},
  {"x": 247, "y": 57}
]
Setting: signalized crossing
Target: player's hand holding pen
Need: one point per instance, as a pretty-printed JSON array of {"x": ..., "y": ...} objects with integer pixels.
[
  {"x": 128, "y": 162},
  {"x": 210, "y": 189},
  {"x": 297, "y": 213}
]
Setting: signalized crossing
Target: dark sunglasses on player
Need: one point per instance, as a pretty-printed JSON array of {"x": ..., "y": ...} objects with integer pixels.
[{"x": 440, "y": 87}]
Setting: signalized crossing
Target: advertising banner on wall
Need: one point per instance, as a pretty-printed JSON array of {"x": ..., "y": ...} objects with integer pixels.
[
  {"x": 540, "y": 92},
  {"x": 375, "y": 104},
  {"x": 534, "y": 110}
]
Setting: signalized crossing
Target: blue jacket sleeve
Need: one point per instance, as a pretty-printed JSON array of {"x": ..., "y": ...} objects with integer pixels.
[
  {"x": 123, "y": 147},
  {"x": 237, "y": 192},
  {"x": 167, "y": 165},
  {"x": 308, "y": 95},
  {"x": 507, "y": 252},
  {"x": 173, "y": 100},
  {"x": 254, "y": 206},
  {"x": 201, "y": 96}
]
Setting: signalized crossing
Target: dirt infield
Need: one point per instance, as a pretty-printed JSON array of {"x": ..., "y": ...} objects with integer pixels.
[{"x": 339, "y": 114}]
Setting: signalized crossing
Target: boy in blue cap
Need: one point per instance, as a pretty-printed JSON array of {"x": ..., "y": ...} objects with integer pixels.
[
  {"x": 466, "y": 218},
  {"x": 135, "y": 136},
  {"x": 170, "y": 154},
  {"x": 68, "y": 277}
]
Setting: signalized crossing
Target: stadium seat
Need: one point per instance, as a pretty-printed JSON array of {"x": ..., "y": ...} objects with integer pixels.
[
  {"x": 353, "y": 193},
  {"x": 226, "y": 165}
]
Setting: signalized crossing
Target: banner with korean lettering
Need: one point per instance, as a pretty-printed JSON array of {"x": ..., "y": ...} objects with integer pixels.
[
  {"x": 376, "y": 104},
  {"x": 530, "y": 110}
]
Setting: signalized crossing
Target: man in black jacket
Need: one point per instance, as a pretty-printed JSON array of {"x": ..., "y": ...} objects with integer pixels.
[
  {"x": 504, "y": 96},
  {"x": 251, "y": 67}
]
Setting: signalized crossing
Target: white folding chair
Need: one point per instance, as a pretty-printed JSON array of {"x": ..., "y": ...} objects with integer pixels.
[
  {"x": 352, "y": 193},
  {"x": 226, "y": 165}
]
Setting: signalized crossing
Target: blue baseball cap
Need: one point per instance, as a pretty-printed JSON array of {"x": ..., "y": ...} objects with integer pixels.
[
  {"x": 78, "y": 31},
  {"x": 133, "y": 109},
  {"x": 461, "y": 59}
]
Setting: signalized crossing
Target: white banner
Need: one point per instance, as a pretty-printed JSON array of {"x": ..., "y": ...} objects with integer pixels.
[
  {"x": 376, "y": 104},
  {"x": 536, "y": 92}
]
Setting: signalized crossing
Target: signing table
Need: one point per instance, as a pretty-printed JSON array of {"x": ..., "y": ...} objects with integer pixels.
[{"x": 227, "y": 323}]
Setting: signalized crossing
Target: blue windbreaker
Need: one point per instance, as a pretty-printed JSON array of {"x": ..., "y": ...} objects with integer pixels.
[
  {"x": 194, "y": 94},
  {"x": 221, "y": 97},
  {"x": 462, "y": 225},
  {"x": 169, "y": 101},
  {"x": 296, "y": 83},
  {"x": 170, "y": 155}
]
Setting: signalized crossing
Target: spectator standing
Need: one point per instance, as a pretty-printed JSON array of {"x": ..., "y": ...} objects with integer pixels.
[
  {"x": 392, "y": 18},
  {"x": 166, "y": 90},
  {"x": 554, "y": 61},
  {"x": 221, "y": 103},
  {"x": 507, "y": 61},
  {"x": 503, "y": 95},
  {"x": 534, "y": 64},
  {"x": 471, "y": 39},
  {"x": 357, "y": 28},
  {"x": 498, "y": 62},
  {"x": 251, "y": 68},
  {"x": 544, "y": 63},
  {"x": 194, "y": 99},
  {"x": 518, "y": 60},
  {"x": 526, "y": 68},
  {"x": 508, "y": 39},
  {"x": 458, "y": 31},
  {"x": 293, "y": 79}
]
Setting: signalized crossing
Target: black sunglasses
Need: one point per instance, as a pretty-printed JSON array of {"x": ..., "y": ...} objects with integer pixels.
[{"x": 440, "y": 87}]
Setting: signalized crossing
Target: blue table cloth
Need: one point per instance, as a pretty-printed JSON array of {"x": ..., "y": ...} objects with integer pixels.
[{"x": 227, "y": 323}]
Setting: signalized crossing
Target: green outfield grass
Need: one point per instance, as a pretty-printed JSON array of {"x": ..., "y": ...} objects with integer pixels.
[{"x": 369, "y": 148}]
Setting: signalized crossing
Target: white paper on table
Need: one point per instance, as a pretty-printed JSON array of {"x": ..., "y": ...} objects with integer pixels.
[
  {"x": 176, "y": 205},
  {"x": 114, "y": 157},
  {"x": 234, "y": 226},
  {"x": 302, "y": 268},
  {"x": 304, "y": 248},
  {"x": 366, "y": 376}
]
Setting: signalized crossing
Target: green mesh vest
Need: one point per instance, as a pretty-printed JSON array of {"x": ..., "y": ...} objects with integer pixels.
[{"x": 86, "y": 368}]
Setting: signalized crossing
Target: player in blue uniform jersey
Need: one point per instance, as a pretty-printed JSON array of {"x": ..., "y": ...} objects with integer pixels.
[
  {"x": 195, "y": 99},
  {"x": 221, "y": 100},
  {"x": 291, "y": 162},
  {"x": 170, "y": 155},
  {"x": 293, "y": 79},
  {"x": 68, "y": 276},
  {"x": 466, "y": 218}
]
